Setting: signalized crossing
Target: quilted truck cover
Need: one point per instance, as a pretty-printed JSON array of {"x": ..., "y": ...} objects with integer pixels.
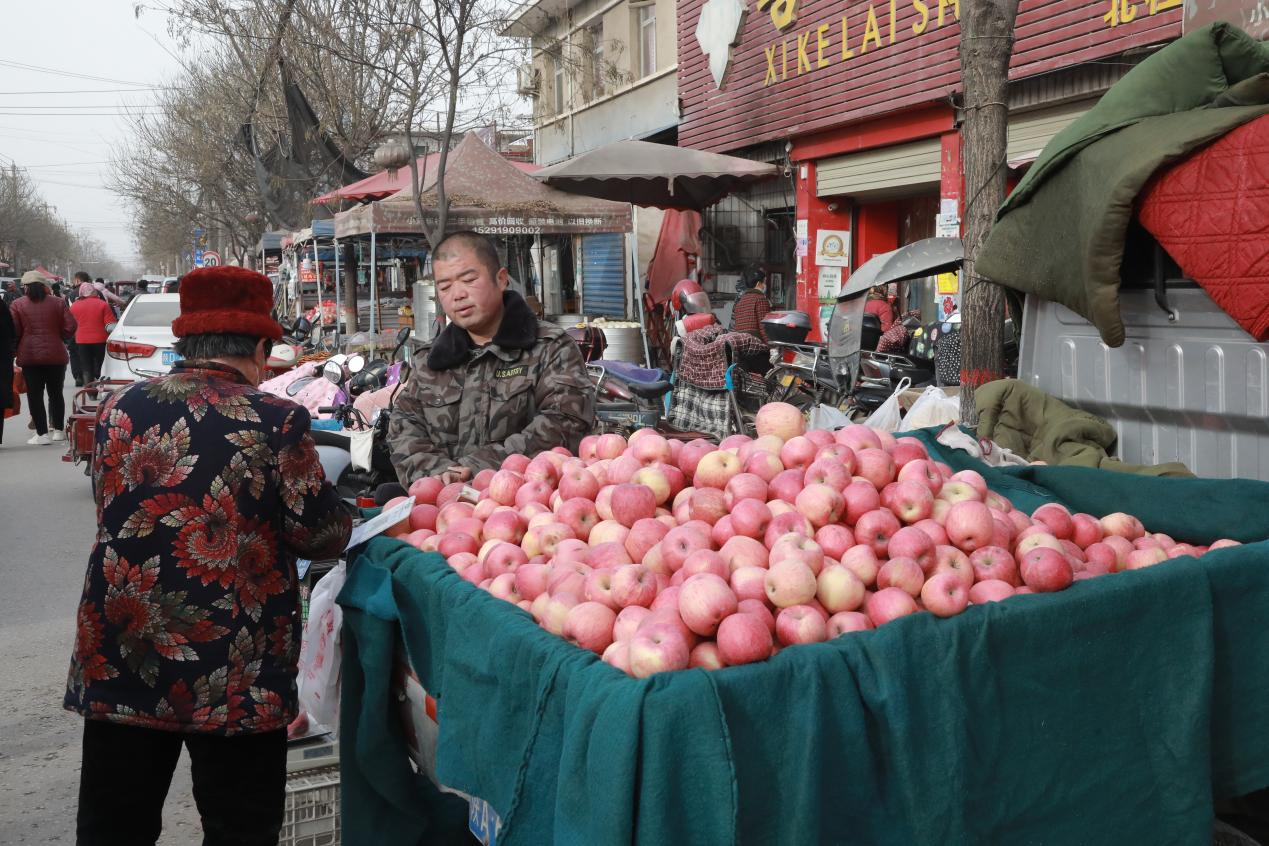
[{"x": 1211, "y": 213}]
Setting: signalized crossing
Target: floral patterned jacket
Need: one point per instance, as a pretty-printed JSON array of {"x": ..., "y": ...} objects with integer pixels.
[{"x": 206, "y": 491}]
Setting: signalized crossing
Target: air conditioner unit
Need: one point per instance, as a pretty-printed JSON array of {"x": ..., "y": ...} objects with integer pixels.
[{"x": 527, "y": 81}]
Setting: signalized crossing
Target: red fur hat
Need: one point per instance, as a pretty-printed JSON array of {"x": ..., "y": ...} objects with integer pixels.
[{"x": 226, "y": 300}]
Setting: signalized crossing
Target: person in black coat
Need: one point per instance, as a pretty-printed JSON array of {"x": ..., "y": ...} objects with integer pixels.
[{"x": 8, "y": 340}]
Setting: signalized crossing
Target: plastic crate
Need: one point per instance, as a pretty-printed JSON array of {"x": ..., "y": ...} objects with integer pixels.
[{"x": 312, "y": 809}]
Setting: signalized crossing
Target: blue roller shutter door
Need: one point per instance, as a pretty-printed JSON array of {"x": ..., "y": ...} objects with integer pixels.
[{"x": 604, "y": 274}]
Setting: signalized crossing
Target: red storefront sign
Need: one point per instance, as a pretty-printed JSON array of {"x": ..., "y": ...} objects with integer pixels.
[{"x": 791, "y": 68}]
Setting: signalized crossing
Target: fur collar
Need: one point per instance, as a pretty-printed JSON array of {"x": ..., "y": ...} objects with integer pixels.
[{"x": 518, "y": 331}]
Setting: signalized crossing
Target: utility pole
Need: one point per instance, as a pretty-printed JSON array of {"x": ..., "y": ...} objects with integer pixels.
[{"x": 987, "y": 30}]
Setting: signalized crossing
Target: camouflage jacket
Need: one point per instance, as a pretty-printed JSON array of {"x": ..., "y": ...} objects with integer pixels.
[{"x": 525, "y": 392}]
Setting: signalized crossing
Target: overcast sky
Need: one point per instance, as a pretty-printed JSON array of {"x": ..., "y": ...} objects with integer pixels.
[{"x": 65, "y": 139}]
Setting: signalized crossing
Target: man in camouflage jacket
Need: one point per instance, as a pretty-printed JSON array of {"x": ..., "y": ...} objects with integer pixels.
[{"x": 495, "y": 382}]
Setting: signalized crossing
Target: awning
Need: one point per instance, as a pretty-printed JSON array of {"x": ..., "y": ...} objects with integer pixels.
[
  {"x": 647, "y": 174},
  {"x": 384, "y": 183},
  {"x": 489, "y": 194}
]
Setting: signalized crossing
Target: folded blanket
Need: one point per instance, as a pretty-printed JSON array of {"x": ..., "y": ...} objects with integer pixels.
[{"x": 1040, "y": 427}]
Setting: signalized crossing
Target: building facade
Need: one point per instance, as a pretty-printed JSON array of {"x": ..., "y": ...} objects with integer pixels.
[
  {"x": 597, "y": 71},
  {"x": 863, "y": 98}
]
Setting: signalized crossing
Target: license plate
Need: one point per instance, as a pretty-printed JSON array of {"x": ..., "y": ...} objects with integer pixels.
[
  {"x": 483, "y": 821},
  {"x": 170, "y": 357},
  {"x": 787, "y": 379}
]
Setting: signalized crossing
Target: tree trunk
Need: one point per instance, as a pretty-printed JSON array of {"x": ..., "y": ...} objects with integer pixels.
[{"x": 986, "y": 47}]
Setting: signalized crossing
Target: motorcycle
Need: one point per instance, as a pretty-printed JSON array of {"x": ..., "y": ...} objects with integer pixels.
[{"x": 356, "y": 456}]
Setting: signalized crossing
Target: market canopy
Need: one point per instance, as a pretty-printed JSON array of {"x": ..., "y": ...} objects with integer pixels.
[
  {"x": 385, "y": 183},
  {"x": 489, "y": 194},
  {"x": 647, "y": 174}
]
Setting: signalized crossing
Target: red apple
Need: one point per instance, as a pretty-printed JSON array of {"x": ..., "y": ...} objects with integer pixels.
[
  {"x": 861, "y": 497},
  {"x": 705, "y": 656},
  {"x": 994, "y": 563},
  {"x": 1123, "y": 525},
  {"x": 704, "y": 601},
  {"x": 911, "y": 542},
  {"x": 923, "y": 472},
  {"x": 876, "y": 466},
  {"x": 1044, "y": 570},
  {"x": 743, "y": 639},
  {"x": 875, "y": 529},
  {"x": 820, "y": 504},
  {"x": 740, "y": 551},
  {"x": 628, "y": 620},
  {"x": 889, "y": 604},
  {"x": 707, "y": 505},
  {"x": 834, "y": 539},
  {"x": 633, "y": 585},
  {"x": 970, "y": 525},
  {"x": 801, "y": 624},
  {"x": 911, "y": 502},
  {"x": 745, "y": 486},
  {"x": 760, "y": 609},
  {"x": 790, "y": 582},
  {"x": 658, "y": 650},
  {"x": 423, "y": 517},
  {"x": 786, "y": 485},
  {"x": 781, "y": 419},
  {"x": 749, "y": 583},
  {"x": 798, "y": 453},
  {"x": 902, "y": 573},
  {"x": 990, "y": 590},
  {"x": 1056, "y": 519},
  {"x": 789, "y": 522},
  {"x": 716, "y": 469},
  {"x": 857, "y": 436},
  {"x": 425, "y": 490},
  {"x": 644, "y": 535},
  {"x": 681, "y": 542},
  {"x": 1141, "y": 558},
  {"x": 844, "y": 622},
  {"x": 800, "y": 548},
  {"x": 764, "y": 465},
  {"x": 974, "y": 479},
  {"x": 590, "y": 625},
  {"x": 705, "y": 561},
  {"x": 861, "y": 560},
  {"x": 838, "y": 589},
  {"x": 750, "y": 517},
  {"x": 945, "y": 595}
]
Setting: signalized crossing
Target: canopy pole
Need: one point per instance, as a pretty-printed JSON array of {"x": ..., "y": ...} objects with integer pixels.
[
  {"x": 317, "y": 276},
  {"x": 633, "y": 240},
  {"x": 339, "y": 302},
  {"x": 374, "y": 281}
]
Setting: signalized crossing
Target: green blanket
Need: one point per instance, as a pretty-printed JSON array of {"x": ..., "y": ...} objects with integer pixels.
[
  {"x": 1110, "y": 713},
  {"x": 1060, "y": 234},
  {"x": 1040, "y": 427}
]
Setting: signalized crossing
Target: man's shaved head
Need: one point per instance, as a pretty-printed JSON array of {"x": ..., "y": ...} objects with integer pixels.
[{"x": 482, "y": 245}]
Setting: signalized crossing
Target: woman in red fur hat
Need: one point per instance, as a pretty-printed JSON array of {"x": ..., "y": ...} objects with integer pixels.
[{"x": 189, "y": 629}]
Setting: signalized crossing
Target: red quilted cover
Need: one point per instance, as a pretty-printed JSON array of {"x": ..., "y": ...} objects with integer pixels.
[{"x": 1211, "y": 213}]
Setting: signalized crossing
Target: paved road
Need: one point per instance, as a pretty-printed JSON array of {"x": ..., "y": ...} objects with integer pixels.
[{"x": 46, "y": 528}]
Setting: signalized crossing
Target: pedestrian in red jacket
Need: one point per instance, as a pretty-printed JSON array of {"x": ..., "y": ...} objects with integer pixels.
[
  {"x": 92, "y": 314},
  {"x": 188, "y": 633},
  {"x": 43, "y": 324}
]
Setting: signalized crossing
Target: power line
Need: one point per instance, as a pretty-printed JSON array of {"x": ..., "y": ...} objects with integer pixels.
[
  {"x": 55, "y": 72},
  {"x": 90, "y": 91}
]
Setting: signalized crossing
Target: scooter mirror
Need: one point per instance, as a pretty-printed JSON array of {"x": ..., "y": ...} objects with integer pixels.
[
  {"x": 402, "y": 334},
  {"x": 333, "y": 372},
  {"x": 355, "y": 363},
  {"x": 301, "y": 327},
  {"x": 299, "y": 385}
]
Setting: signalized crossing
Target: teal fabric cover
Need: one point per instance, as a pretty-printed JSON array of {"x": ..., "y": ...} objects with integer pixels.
[{"x": 1113, "y": 712}]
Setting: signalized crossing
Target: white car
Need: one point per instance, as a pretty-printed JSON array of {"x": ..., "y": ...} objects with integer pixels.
[{"x": 140, "y": 345}]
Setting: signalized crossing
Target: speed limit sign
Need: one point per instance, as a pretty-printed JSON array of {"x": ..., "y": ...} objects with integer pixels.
[{"x": 210, "y": 259}]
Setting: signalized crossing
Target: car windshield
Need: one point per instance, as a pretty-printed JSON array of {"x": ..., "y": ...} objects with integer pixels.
[{"x": 153, "y": 312}]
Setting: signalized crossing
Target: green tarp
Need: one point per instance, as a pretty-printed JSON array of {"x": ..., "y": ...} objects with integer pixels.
[
  {"x": 1061, "y": 233},
  {"x": 1110, "y": 713}
]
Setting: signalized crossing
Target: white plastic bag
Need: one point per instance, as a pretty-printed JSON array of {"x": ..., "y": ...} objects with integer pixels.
[
  {"x": 320, "y": 651},
  {"x": 887, "y": 417},
  {"x": 933, "y": 408},
  {"x": 827, "y": 417}
]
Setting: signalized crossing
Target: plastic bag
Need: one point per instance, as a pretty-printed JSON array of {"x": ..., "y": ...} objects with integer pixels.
[
  {"x": 888, "y": 415},
  {"x": 933, "y": 408},
  {"x": 827, "y": 417},
  {"x": 320, "y": 652}
]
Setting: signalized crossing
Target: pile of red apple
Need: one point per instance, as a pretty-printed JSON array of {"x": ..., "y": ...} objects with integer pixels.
[{"x": 661, "y": 555}]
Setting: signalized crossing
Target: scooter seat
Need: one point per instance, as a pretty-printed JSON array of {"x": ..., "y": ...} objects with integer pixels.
[
  {"x": 631, "y": 373},
  {"x": 649, "y": 390}
]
